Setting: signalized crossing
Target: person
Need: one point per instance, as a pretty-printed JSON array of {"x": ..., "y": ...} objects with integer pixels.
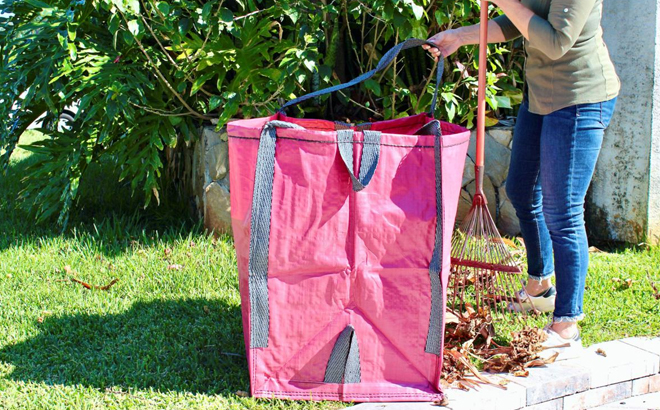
[{"x": 570, "y": 93}]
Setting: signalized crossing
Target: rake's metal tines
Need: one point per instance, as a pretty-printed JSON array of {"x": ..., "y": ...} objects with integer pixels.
[{"x": 481, "y": 260}]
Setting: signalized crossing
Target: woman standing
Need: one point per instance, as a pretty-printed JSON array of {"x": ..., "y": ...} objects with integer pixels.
[{"x": 570, "y": 94}]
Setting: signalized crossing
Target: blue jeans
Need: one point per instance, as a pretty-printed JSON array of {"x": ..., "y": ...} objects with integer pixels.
[{"x": 552, "y": 162}]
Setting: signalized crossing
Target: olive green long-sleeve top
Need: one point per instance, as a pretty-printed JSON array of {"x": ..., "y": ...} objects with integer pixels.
[{"x": 567, "y": 60}]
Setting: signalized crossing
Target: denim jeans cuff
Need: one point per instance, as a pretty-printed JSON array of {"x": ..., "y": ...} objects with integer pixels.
[
  {"x": 541, "y": 276},
  {"x": 566, "y": 319}
]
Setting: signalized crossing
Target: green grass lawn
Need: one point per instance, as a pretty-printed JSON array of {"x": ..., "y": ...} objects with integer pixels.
[{"x": 168, "y": 333}]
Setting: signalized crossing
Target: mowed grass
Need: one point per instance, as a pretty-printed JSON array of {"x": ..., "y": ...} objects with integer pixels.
[
  {"x": 168, "y": 334},
  {"x": 619, "y": 300}
]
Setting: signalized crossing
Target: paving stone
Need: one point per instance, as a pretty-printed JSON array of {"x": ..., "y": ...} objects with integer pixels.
[
  {"x": 556, "y": 404},
  {"x": 654, "y": 384},
  {"x": 644, "y": 402},
  {"x": 551, "y": 382},
  {"x": 514, "y": 397},
  {"x": 646, "y": 385},
  {"x": 622, "y": 363},
  {"x": 651, "y": 345},
  {"x": 598, "y": 396}
]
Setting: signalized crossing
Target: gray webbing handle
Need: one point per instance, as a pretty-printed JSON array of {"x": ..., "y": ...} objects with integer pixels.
[
  {"x": 382, "y": 64},
  {"x": 370, "y": 156}
]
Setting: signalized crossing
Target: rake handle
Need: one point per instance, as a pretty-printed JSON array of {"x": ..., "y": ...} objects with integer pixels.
[{"x": 481, "y": 102}]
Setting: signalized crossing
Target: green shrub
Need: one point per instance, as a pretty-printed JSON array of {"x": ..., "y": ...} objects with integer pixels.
[{"x": 147, "y": 73}]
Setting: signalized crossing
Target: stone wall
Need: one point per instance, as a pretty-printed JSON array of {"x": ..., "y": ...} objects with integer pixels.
[
  {"x": 211, "y": 180},
  {"x": 497, "y": 157}
]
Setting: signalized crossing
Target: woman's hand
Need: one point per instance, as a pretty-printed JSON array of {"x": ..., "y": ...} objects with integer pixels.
[{"x": 447, "y": 42}]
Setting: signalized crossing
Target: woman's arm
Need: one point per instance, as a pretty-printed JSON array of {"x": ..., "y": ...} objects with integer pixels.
[
  {"x": 448, "y": 41},
  {"x": 556, "y": 35},
  {"x": 518, "y": 14}
]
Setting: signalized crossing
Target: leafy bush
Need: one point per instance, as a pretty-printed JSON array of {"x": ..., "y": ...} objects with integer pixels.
[{"x": 146, "y": 73}]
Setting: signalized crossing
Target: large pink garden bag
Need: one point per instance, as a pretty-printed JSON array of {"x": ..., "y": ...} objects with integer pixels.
[{"x": 342, "y": 237}]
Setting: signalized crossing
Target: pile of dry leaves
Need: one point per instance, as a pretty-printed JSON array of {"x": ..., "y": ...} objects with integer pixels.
[{"x": 469, "y": 335}]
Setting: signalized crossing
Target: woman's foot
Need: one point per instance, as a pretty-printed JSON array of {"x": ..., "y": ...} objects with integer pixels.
[
  {"x": 563, "y": 340},
  {"x": 543, "y": 301}
]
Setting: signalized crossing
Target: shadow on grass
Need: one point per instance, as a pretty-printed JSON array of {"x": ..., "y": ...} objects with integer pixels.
[
  {"x": 106, "y": 211},
  {"x": 188, "y": 345}
]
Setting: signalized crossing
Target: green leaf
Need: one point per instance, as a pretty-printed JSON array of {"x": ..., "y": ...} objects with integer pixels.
[
  {"x": 174, "y": 120},
  {"x": 418, "y": 11},
  {"x": 214, "y": 102},
  {"x": 310, "y": 64},
  {"x": 226, "y": 15},
  {"x": 163, "y": 7},
  {"x": 206, "y": 10},
  {"x": 134, "y": 27},
  {"x": 199, "y": 82},
  {"x": 451, "y": 111},
  {"x": 184, "y": 26},
  {"x": 168, "y": 134},
  {"x": 39, "y": 4},
  {"x": 441, "y": 18},
  {"x": 71, "y": 29},
  {"x": 134, "y": 6},
  {"x": 113, "y": 24},
  {"x": 503, "y": 101},
  {"x": 73, "y": 52},
  {"x": 373, "y": 86}
]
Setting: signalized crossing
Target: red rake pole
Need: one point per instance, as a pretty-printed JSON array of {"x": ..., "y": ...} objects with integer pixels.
[{"x": 479, "y": 254}]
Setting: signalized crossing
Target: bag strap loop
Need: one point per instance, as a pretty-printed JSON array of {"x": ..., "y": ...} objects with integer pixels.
[{"x": 370, "y": 156}]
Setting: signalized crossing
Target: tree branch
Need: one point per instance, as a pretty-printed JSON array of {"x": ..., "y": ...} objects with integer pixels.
[{"x": 162, "y": 77}]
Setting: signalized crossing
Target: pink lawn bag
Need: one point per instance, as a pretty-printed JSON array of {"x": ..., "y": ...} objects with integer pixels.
[{"x": 342, "y": 236}]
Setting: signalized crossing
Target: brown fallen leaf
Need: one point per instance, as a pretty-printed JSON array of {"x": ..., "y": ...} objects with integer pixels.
[
  {"x": 505, "y": 241},
  {"x": 541, "y": 362},
  {"x": 88, "y": 286},
  {"x": 40, "y": 319},
  {"x": 601, "y": 352},
  {"x": 207, "y": 310},
  {"x": 167, "y": 251},
  {"x": 444, "y": 402},
  {"x": 68, "y": 270},
  {"x": 175, "y": 266},
  {"x": 521, "y": 373},
  {"x": 241, "y": 393},
  {"x": 624, "y": 284},
  {"x": 593, "y": 249}
]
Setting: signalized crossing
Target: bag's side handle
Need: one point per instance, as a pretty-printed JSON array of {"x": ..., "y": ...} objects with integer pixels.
[
  {"x": 370, "y": 156},
  {"x": 262, "y": 200},
  {"x": 382, "y": 64}
]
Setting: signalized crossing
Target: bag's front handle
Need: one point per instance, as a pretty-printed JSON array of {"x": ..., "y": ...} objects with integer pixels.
[
  {"x": 382, "y": 64},
  {"x": 370, "y": 156}
]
